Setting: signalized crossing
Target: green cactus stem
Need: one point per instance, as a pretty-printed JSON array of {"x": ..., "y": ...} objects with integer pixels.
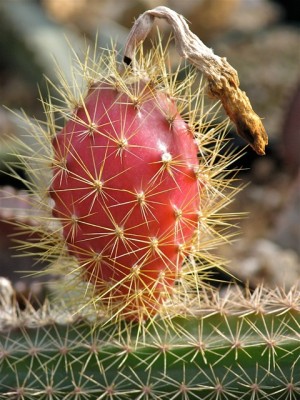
[{"x": 234, "y": 347}]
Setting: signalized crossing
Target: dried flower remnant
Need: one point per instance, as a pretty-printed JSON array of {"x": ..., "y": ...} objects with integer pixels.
[{"x": 222, "y": 78}]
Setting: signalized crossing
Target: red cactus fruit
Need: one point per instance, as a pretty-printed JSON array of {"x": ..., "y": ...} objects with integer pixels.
[
  {"x": 135, "y": 214},
  {"x": 126, "y": 191}
]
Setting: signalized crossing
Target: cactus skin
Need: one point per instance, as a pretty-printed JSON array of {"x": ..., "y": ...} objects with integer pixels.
[
  {"x": 239, "y": 354},
  {"x": 126, "y": 191}
]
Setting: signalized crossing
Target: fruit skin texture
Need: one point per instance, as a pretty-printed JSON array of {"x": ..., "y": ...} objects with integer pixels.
[{"x": 126, "y": 192}]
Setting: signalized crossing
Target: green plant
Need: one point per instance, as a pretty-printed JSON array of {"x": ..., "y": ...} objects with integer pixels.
[
  {"x": 239, "y": 346},
  {"x": 129, "y": 223}
]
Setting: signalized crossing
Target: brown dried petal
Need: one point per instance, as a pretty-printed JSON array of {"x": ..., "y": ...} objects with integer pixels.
[{"x": 222, "y": 77}]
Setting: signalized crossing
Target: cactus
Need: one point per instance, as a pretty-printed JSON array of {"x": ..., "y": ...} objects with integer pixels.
[
  {"x": 239, "y": 346},
  {"x": 127, "y": 213}
]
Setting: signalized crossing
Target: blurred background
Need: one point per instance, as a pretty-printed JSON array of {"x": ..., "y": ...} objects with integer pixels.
[{"x": 260, "y": 38}]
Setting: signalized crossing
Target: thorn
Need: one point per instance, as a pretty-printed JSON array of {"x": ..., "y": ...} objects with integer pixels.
[
  {"x": 136, "y": 102},
  {"x": 154, "y": 244},
  {"x": 166, "y": 158},
  {"x": 141, "y": 199},
  {"x": 122, "y": 145},
  {"x": 178, "y": 213},
  {"x": 98, "y": 257},
  {"x": 135, "y": 271},
  {"x": 98, "y": 185},
  {"x": 119, "y": 232},
  {"x": 91, "y": 129}
]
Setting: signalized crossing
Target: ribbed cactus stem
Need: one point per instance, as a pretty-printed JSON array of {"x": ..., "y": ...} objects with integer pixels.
[{"x": 236, "y": 353}]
